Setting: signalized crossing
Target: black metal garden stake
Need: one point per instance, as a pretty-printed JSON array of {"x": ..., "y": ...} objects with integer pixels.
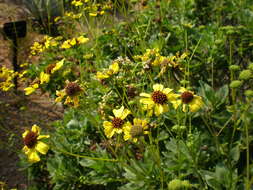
[{"x": 15, "y": 30}]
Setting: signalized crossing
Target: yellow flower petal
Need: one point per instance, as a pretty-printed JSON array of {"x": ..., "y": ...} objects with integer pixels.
[
  {"x": 108, "y": 128},
  {"x": 33, "y": 156},
  {"x": 114, "y": 67},
  {"x": 125, "y": 113},
  {"x": 147, "y": 101},
  {"x": 25, "y": 149},
  {"x": 176, "y": 103},
  {"x": 167, "y": 90},
  {"x": 118, "y": 113},
  {"x": 25, "y": 133},
  {"x": 44, "y": 78},
  {"x": 43, "y": 137},
  {"x": 41, "y": 147},
  {"x": 145, "y": 95},
  {"x": 158, "y": 87},
  {"x": 159, "y": 109},
  {"x": 195, "y": 104},
  {"x": 36, "y": 129},
  {"x": 101, "y": 75},
  {"x": 82, "y": 40},
  {"x": 58, "y": 65}
]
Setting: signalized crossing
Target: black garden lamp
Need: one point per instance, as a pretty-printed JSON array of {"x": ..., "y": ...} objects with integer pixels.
[{"x": 13, "y": 31}]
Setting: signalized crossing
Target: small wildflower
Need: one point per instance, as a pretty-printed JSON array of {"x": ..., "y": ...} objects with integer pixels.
[
  {"x": 44, "y": 78},
  {"x": 139, "y": 128},
  {"x": 117, "y": 123},
  {"x": 29, "y": 90},
  {"x": 113, "y": 69},
  {"x": 71, "y": 92},
  {"x": 33, "y": 145},
  {"x": 188, "y": 99},
  {"x": 158, "y": 100}
]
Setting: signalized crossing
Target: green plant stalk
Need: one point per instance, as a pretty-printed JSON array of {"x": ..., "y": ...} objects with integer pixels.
[
  {"x": 84, "y": 156},
  {"x": 157, "y": 156},
  {"x": 232, "y": 74}
]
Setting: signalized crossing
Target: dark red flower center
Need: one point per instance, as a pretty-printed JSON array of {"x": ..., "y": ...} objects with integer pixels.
[
  {"x": 30, "y": 139},
  {"x": 117, "y": 122},
  {"x": 187, "y": 97},
  {"x": 72, "y": 89},
  {"x": 159, "y": 97}
]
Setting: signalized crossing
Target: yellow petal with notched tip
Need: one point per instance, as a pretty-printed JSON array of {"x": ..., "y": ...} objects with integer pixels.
[
  {"x": 118, "y": 113},
  {"x": 108, "y": 128},
  {"x": 145, "y": 95},
  {"x": 41, "y": 147},
  {"x": 158, "y": 109},
  {"x": 158, "y": 87},
  {"x": 167, "y": 90},
  {"x": 33, "y": 156},
  {"x": 36, "y": 129},
  {"x": 25, "y": 133}
]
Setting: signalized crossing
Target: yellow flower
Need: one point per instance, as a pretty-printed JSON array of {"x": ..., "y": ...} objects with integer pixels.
[
  {"x": 158, "y": 100},
  {"x": 71, "y": 92},
  {"x": 132, "y": 132},
  {"x": 66, "y": 44},
  {"x": 113, "y": 69},
  {"x": 58, "y": 65},
  {"x": 101, "y": 75},
  {"x": 188, "y": 99},
  {"x": 82, "y": 40},
  {"x": 29, "y": 90},
  {"x": 44, "y": 78},
  {"x": 117, "y": 124},
  {"x": 33, "y": 145},
  {"x": 73, "y": 42}
]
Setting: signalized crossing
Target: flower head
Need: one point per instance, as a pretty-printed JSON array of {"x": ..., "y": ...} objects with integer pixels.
[
  {"x": 44, "y": 78},
  {"x": 113, "y": 69},
  {"x": 139, "y": 128},
  {"x": 71, "y": 92},
  {"x": 188, "y": 99},
  {"x": 33, "y": 145},
  {"x": 158, "y": 100},
  {"x": 29, "y": 90},
  {"x": 117, "y": 123}
]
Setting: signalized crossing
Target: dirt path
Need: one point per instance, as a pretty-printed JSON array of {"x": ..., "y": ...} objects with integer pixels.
[{"x": 18, "y": 111}]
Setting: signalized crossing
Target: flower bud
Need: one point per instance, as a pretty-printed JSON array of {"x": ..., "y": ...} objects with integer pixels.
[
  {"x": 250, "y": 66},
  {"x": 249, "y": 93},
  {"x": 235, "y": 84},
  {"x": 245, "y": 74},
  {"x": 234, "y": 68}
]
